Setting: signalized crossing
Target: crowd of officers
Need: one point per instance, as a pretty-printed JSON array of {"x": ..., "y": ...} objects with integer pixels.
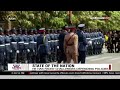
[
  {"x": 112, "y": 41},
  {"x": 46, "y": 45}
]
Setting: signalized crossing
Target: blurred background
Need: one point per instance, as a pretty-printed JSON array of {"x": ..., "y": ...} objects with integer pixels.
[{"x": 58, "y": 19}]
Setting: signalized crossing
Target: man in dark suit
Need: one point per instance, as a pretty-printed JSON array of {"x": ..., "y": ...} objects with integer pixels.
[
  {"x": 42, "y": 45},
  {"x": 82, "y": 44},
  {"x": 61, "y": 45}
]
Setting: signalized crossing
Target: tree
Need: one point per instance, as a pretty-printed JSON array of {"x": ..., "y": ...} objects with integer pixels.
[{"x": 57, "y": 19}]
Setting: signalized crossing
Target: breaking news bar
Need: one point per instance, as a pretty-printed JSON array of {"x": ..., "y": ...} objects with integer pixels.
[{"x": 60, "y": 69}]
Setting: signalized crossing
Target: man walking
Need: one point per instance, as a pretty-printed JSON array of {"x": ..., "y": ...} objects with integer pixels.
[{"x": 71, "y": 46}]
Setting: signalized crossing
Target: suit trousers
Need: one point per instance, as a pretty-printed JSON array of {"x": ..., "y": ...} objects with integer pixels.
[{"x": 82, "y": 57}]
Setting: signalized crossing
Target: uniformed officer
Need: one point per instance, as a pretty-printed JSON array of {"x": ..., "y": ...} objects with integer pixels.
[
  {"x": 42, "y": 45},
  {"x": 61, "y": 37},
  {"x": 102, "y": 41},
  {"x": 112, "y": 41},
  {"x": 31, "y": 45},
  {"x": 97, "y": 49},
  {"x": 20, "y": 39},
  {"x": 71, "y": 46},
  {"x": 7, "y": 48},
  {"x": 35, "y": 45},
  {"x": 89, "y": 41},
  {"x": 2, "y": 49},
  {"x": 14, "y": 46},
  {"x": 26, "y": 45},
  {"x": 55, "y": 44},
  {"x": 52, "y": 48},
  {"x": 115, "y": 41},
  {"x": 94, "y": 43},
  {"x": 109, "y": 43},
  {"x": 49, "y": 41},
  {"x": 118, "y": 42},
  {"x": 35, "y": 31},
  {"x": 82, "y": 44}
]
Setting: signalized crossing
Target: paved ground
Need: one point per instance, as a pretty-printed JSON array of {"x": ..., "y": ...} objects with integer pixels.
[{"x": 105, "y": 58}]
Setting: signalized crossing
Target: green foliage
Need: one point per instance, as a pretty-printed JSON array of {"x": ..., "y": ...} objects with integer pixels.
[{"x": 57, "y": 19}]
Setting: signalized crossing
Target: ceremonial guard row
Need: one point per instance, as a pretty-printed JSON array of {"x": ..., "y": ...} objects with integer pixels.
[{"x": 44, "y": 45}]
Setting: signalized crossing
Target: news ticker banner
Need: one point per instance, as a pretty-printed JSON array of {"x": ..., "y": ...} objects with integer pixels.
[
  {"x": 59, "y": 67},
  {"x": 60, "y": 73}
]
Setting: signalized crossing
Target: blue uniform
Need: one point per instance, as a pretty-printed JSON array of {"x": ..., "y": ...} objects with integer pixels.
[
  {"x": 7, "y": 50},
  {"x": 2, "y": 51},
  {"x": 14, "y": 48},
  {"x": 98, "y": 43},
  {"x": 89, "y": 46},
  {"x": 49, "y": 48},
  {"x": 31, "y": 48},
  {"x": 55, "y": 46},
  {"x": 20, "y": 39},
  {"x": 26, "y": 42},
  {"x": 82, "y": 46},
  {"x": 102, "y": 40},
  {"x": 52, "y": 46},
  {"x": 26, "y": 47},
  {"x": 94, "y": 43},
  {"x": 35, "y": 48}
]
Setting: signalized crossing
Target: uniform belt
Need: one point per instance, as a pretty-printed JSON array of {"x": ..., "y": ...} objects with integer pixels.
[
  {"x": 52, "y": 40},
  {"x": 70, "y": 44},
  {"x": 26, "y": 43},
  {"x": 2, "y": 45},
  {"x": 7, "y": 44},
  {"x": 88, "y": 38},
  {"x": 56, "y": 40},
  {"x": 14, "y": 42},
  {"x": 41, "y": 44},
  {"x": 96, "y": 38},
  {"x": 33, "y": 42},
  {"x": 92, "y": 39},
  {"x": 20, "y": 42},
  {"x": 49, "y": 41}
]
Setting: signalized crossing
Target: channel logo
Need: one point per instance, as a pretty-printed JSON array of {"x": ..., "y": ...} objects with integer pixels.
[{"x": 16, "y": 67}]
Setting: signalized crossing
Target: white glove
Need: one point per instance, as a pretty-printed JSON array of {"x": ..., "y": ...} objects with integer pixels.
[
  {"x": 33, "y": 50},
  {"x": 57, "y": 47},
  {"x": 11, "y": 51},
  {"x": 17, "y": 51},
  {"x": 90, "y": 42},
  {"x": 28, "y": 50}
]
